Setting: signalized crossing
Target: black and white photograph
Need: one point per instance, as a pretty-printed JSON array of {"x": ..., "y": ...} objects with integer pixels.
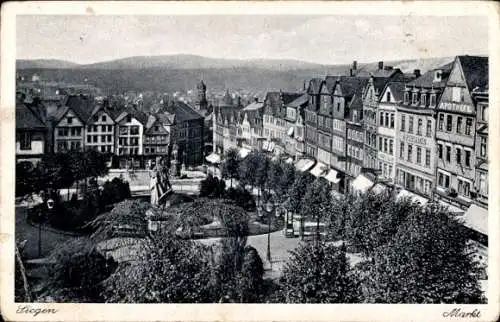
[{"x": 251, "y": 157}]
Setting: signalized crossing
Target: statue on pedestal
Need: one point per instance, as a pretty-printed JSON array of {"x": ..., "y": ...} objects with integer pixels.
[
  {"x": 174, "y": 161},
  {"x": 159, "y": 183}
]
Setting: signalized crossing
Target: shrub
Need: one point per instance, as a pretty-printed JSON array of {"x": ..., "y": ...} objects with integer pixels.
[{"x": 241, "y": 197}]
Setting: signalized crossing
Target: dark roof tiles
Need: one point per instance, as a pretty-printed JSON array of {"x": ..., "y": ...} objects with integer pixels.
[{"x": 27, "y": 119}]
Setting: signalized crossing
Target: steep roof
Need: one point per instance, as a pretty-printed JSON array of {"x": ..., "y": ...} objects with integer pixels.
[
  {"x": 314, "y": 86},
  {"x": 81, "y": 105},
  {"x": 183, "y": 112},
  {"x": 397, "y": 90},
  {"x": 301, "y": 100},
  {"x": 427, "y": 79},
  {"x": 253, "y": 106},
  {"x": 351, "y": 85},
  {"x": 27, "y": 119},
  {"x": 475, "y": 69},
  {"x": 275, "y": 102},
  {"x": 330, "y": 82}
]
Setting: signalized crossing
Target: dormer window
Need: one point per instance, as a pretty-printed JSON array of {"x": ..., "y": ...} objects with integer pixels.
[
  {"x": 388, "y": 96},
  {"x": 414, "y": 99},
  {"x": 407, "y": 97},
  {"x": 433, "y": 100},
  {"x": 423, "y": 100},
  {"x": 438, "y": 76}
]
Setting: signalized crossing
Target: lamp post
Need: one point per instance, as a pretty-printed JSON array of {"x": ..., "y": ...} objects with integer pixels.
[{"x": 269, "y": 209}]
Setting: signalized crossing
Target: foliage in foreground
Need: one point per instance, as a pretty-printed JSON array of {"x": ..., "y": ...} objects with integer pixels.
[{"x": 319, "y": 274}]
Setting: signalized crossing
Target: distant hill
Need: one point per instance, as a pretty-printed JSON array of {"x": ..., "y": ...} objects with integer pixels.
[
  {"x": 44, "y": 63},
  {"x": 181, "y": 72}
]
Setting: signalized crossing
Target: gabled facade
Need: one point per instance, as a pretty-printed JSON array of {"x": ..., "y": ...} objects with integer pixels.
[
  {"x": 70, "y": 123},
  {"x": 295, "y": 112},
  {"x": 311, "y": 117},
  {"x": 325, "y": 120},
  {"x": 129, "y": 136},
  {"x": 100, "y": 133},
  {"x": 31, "y": 134},
  {"x": 386, "y": 117},
  {"x": 251, "y": 127},
  {"x": 415, "y": 132},
  {"x": 158, "y": 135},
  {"x": 456, "y": 131},
  {"x": 481, "y": 177}
]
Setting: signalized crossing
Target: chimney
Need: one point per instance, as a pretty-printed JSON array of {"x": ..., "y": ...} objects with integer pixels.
[
  {"x": 388, "y": 68},
  {"x": 380, "y": 65},
  {"x": 416, "y": 72},
  {"x": 351, "y": 72},
  {"x": 354, "y": 65},
  {"x": 256, "y": 99}
]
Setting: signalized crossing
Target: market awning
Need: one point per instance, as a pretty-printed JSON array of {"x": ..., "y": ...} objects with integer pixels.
[
  {"x": 414, "y": 197},
  {"x": 451, "y": 208},
  {"x": 271, "y": 146},
  {"x": 477, "y": 218},
  {"x": 213, "y": 158},
  {"x": 243, "y": 152},
  {"x": 332, "y": 176},
  {"x": 318, "y": 169},
  {"x": 290, "y": 131},
  {"x": 362, "y": 184},
  {"x": 304, "y": 164}
]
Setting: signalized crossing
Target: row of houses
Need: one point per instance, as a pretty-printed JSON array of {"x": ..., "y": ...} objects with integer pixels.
[
  {"x": 133, "y": 137},
  {"x": 422, "y": 135}
]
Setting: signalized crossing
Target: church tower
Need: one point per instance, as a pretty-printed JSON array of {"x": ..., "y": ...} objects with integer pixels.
[{"x": 201, "y": 97}]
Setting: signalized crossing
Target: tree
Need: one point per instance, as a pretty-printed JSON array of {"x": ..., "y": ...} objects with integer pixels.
[
  {"x": 286, "y": 180},
  {"x": 332, "y": 281},
  {"x": 77, "y": 273},
  {"x": 248, "y": 169},
  {"x": 168, "y": 270},
  {"x": 426, "y": 261},
  {"x": 250, "y": 280},
  {"x": 261, "y": 173},
  {"x": 316, "y": 202},
  {"x": 297, "y": 192},
  {"x": 230, "y": 166}
]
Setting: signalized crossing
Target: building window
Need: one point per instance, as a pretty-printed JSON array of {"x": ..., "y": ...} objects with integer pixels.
[
  {"x": 392, "y": 121},
  {"x": 458, "y": 154},
  {"x": 385, "y": 146},
  {"x": 463, "y": 187},
  {"x": 110, "y": 128},
  {"x": 423, "y": 99},
  {"x": 483, "y": 184},
  {"x": 440, "y": 151},
  {"x": 468, "y": 126},
  {"x": 433, "y": 100},
  {"x": 448, "y": 153},
  {"x": 391, "y": 143},
  {"x": 401, "y": 150},
  {"x": 483, "y": 151},
  {"x": 427, "y": 157},
  {"x": 89, "y": 138},
  {"x": 419, "y": 155},
  {"x": 484, "y": 114},
  {"x": 104, "y": 118},
  {"x": 380, "y": 143},
  {"x": 381, "y": 119},
  {"x": 407, "y": 98},
  {"x": 459, "y": 124},
  {"x": 129, "y": 118},
  {"x": 89, "y": 128},
  {"x": 388, "y": 96},
  {"x": 403, "y": 123},
  {"x": 415, "y": 99},
  {"x": 467, "y": 158},
  {"x": 25, "y": 141},
  {"x": 103, "y": 128},
  {"x": 428, "y": 129},
  {"x": 419, "y": 127},
  {"x": 410, "y": 124},
  {"x": 94, "y": 138},
  {"x": 338, "y": 107},
  {"x": 410, "y": 150},
  {"x": 456, "y": 94},
  {"x": 386, "y": 119},
  {"x": 441, "y": 122},
  {"x": 134, "y": 130},
  {"x": 449, "y": 123},
  {"x": 70, "y": 120}
]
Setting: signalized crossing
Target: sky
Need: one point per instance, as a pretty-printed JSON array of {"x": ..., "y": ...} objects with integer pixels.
[{"x": 321, "y": 39}]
